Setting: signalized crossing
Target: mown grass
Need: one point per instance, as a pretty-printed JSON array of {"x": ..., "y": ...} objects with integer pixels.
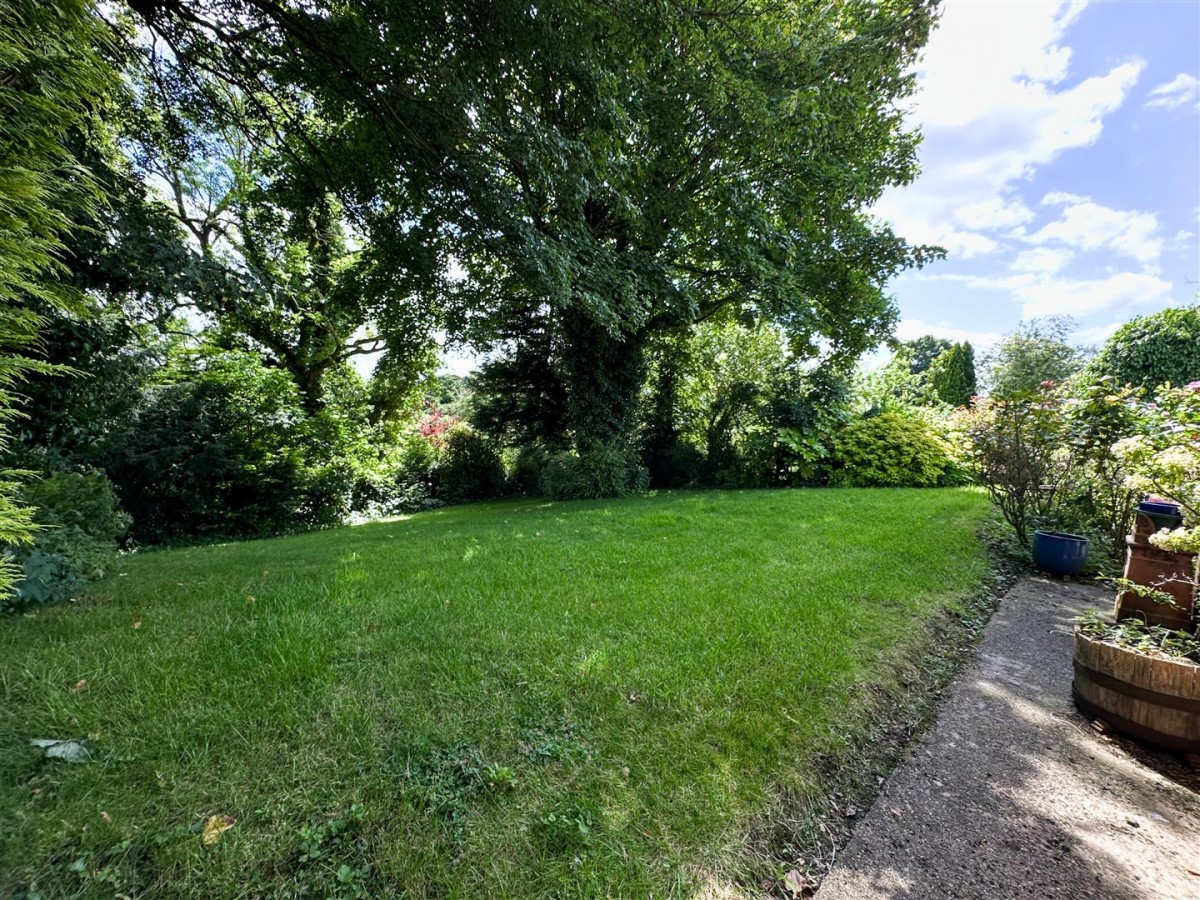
[{"x": 504, "y": 700}]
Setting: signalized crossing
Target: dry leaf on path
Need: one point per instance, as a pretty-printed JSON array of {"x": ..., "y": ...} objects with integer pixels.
[
  {"x": 214, "y": 827},
  {"x": 795, "y": 882}
]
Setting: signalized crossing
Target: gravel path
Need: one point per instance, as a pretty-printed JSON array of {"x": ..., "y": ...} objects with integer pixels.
[{"x": 1013, "y": 794}]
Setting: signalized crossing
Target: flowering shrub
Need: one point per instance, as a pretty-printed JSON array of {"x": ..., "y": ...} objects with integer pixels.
[
  {"x": 435, "y": 427},
  {"x": 1165, "y": 460}
]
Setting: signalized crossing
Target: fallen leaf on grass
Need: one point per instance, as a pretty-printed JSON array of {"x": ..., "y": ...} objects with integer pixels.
[
  {"x": 80, "y": 686},
  {"x": 137, "y": 623},
  {"x": 214, "y": 827},
  {"x": 795, "y": 883}
]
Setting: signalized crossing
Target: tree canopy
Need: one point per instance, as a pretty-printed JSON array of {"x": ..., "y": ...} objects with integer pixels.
[
  {"x": 620, "y": 169},
  {"x": 1034, "y": 353}
]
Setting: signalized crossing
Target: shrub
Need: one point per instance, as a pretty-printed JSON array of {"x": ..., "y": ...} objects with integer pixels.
[
  {"x": 1165, "y": 460},
  {"x": 195, "y": 463},
  {"x": 1151, "y": 350},
  {"x": 525, "y": 471},
  {"x": 470, "y": 468},
  {"x": 1102, "y": 501},
  {"x": 805, "y": 412},
  {"x": 890, "y": 450},
  {"x": 79, "y": 525},
  {"x": 675, "y": 465},
  {"x": 411, "y": 484},
  {"x": 1021, "y": 455},
  {"x": 231, "y": 452},
  {"x": 602, "y": 471}
]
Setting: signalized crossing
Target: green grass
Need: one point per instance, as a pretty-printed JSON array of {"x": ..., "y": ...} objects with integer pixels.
[{"x": 503, "y": 700}]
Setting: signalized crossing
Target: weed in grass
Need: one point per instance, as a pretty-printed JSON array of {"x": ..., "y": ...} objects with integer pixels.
[
  {"x": 330, "y": 859},
  {"x": 567, "y": 829},
  {"x": 446, "y": 781}
]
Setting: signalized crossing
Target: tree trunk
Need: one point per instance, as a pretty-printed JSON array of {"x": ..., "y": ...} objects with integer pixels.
[{"x": 603, "y": 376}]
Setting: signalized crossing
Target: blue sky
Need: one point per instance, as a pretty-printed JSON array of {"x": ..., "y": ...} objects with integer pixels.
[{"x": 1060, "y": 167}]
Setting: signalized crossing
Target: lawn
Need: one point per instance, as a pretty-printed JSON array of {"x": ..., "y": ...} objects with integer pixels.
[{"x": 502, "y": 700}]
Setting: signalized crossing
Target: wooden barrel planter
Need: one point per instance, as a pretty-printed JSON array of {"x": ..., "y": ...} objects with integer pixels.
[{"x": 1154, "y": 699}]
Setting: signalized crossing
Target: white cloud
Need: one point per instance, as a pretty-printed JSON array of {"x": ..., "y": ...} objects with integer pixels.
[
  {"x": 1182, "y": 242},
  {"x": 1086, "y": 225},
  {"x": 1182, "y": 90},
  {"x": 1045, "y": 295},
  {"x": 1096, "y": 335},
  {"x": 1042, "y": 260},
  {"x": 1083, "y": 297},
  {"x": 963, "y": 244},
  {"x": 994, "y": 213},
  {"x": 992, "y": 111},
  {"x": 910, "y": 329}
]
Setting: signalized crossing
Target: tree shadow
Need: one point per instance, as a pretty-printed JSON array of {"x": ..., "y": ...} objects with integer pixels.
[{"x": 1014, "y": 793}]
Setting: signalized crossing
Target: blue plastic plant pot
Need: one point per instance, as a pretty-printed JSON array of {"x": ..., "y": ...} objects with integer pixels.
[
  {"x": 1159, "y": 508},
  {"x": 1163, "y": 515},
  {"x": 1059, "y": 554}
]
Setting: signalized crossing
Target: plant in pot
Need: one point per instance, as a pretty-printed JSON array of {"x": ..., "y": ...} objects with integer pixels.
[
  {"x": 1144, "y": 680},
  {"x": 1165, "y": 461},
  {"x": 1141, "y": 672}
]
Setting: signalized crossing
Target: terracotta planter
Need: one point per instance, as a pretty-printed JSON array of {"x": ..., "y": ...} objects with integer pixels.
[
  {"x": 1155, "y": 700},
  {"x": 1170, "y": 572}
]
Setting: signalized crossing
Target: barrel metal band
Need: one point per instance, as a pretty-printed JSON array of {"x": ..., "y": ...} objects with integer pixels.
[
  {"x": 1187, "y": 704},
  {"x": 1137, "y": 730}
]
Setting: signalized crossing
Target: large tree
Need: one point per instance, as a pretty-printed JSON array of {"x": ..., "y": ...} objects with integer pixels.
[
  {"x": 622, "y": 168},
  {"x": 952, "y": 375},
  {"x": 924, "y": 350},
  {"x": 274, "y": 261},
  {"x": 1034, "y": 353}
]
